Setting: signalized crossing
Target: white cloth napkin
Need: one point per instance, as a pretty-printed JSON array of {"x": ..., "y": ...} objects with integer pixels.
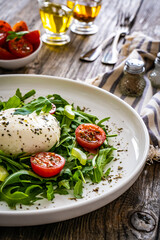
[{"x": 140, "y": 46}]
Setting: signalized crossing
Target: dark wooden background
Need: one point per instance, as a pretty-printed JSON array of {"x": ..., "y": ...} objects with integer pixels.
[{"x": 135, "y": 214}]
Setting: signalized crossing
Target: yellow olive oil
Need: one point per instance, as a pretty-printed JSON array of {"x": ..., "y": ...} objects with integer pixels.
[
  {"x": 70, "y": 4},
  {"x": 85, "y": 12},
  {"x": 56, "y": 18}
]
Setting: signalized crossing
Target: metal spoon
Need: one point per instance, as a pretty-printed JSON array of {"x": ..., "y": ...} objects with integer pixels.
[
  {"x": 111, "y": 57},
  {"x": 94, "y": 53}
]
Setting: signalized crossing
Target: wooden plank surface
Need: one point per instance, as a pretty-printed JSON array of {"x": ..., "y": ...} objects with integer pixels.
[{"x": 134, "y": 215}]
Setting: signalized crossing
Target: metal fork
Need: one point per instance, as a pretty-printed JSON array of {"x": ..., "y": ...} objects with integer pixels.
[{"x": 123, "y": 22}]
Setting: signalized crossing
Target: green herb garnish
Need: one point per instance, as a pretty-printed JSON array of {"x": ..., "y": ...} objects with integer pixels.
[{"x": 12, "y": 35}]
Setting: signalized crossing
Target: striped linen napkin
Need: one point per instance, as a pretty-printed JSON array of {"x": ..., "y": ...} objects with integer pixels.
[{"x": 142, "y": 47}]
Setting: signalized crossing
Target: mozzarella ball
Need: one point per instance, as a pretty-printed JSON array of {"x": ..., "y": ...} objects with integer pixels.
[{"x": 27, "y": 133}]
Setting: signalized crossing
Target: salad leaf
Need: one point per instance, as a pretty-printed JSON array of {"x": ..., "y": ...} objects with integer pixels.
[
  {"x": 64, "y": 183},
  {"x": 14, "y": 194},
  {"x": 13, "y": 102},
  {"x": 78, "y": 189},
  {"x": 107, "y": 172},
  {"x": 60, "y": 191},
  {"x": 37, "y": 105},
  {"x": 16, "y": 101},
  {"x": 57, "y": 100},
  {"x": 50, "y": 192},
  {"x": 27, "y": 95},
  {"x": 79, "y": 175},
  {"x": 100, "y": 162},
  {"x": 10, "y": 161}
]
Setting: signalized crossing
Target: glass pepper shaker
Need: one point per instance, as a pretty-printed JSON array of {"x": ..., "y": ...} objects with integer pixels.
[
  {"x": 133, "y": 83},
  {"x": 154, "y": 75}
]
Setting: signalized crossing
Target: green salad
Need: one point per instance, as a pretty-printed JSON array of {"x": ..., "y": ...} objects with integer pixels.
[{"x": 19, "y": 184}]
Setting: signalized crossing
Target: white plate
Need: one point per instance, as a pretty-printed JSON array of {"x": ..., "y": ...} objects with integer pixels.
[{"x": 132, "y": 144}]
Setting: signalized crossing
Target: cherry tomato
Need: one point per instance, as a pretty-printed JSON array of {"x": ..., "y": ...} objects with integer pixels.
[
  {"x": 47, "y": 164},
  {"x": 4, "y": 26},
  {"x": 20, "y": 26},
  {"x": 33, "y": 37},
  {"x": 90, "y": 136},
  {"x": 3, "y": 37},
  {"x": 53, "y": 110},
  {"x": 20, "y": 47},
  {"x": 5, "y": 55}
]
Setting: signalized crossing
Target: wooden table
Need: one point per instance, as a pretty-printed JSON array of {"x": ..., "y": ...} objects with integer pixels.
[{"x": 135, "y": 214}]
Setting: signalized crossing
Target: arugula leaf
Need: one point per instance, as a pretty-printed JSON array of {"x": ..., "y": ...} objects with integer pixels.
[
  {"x": 17, "y": 165},
  {"x": 14, "y": 194},
  {"x": 99, "y": 162},
  {"x": 37, "y": 105},
  {"x": 57, "y": 100},
  {"x": 61, "y": 191},
  {"x": 50, "y": 192},
  {"x": 102, "y": 121},
  {"x": 13, "y": 102},
  {"x": 77, "y": 175},
  {"x": 27, "y": 95},
  {"x": 107, "y": 172},
  {"x": 64, "y": 183},
  {"x": 102, "y": 159},
  {"x": 97, "y": 174},
  {"x": 17, "y": 100},
  {"x": 78, "y": 189}
]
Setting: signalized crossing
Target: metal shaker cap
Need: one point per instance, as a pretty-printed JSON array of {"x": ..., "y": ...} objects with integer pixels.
[
  {"x": 134, "y": 66},
  {"x": 157, "y": 60}
]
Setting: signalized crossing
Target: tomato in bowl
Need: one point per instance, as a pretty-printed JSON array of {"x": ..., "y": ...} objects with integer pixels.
[
  {"x": 20, "y": 62},
  {"x": 18, "y": 45}
]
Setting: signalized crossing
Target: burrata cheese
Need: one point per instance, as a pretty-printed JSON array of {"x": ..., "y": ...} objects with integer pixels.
[{"x": 27, "y": 133}]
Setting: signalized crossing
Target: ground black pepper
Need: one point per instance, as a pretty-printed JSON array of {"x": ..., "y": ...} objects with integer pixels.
[{"x": 133, "y": 83}]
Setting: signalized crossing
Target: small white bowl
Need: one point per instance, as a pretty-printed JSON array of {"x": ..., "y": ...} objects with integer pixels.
[{"x": 20, "y": 62}]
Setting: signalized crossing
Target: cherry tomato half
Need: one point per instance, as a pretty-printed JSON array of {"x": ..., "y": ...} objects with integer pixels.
[
  {"x": 90, "y": 136},
  {"x": 33, "y": 36},
  {"x": 4, "y": 26},
  {"x": 47, "y": 164},
  {"x": 20, "y": 26},
  {"x": 20, "y": 47},
  {"x": 53, "y": 110},
  {"x": 3, "y": 37},
  {"x": 5, "y": 55}
]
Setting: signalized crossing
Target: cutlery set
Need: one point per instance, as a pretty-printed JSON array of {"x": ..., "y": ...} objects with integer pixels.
[
  {"x": 94, "y": 53},
  {"x": 111, "y": 56}
]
